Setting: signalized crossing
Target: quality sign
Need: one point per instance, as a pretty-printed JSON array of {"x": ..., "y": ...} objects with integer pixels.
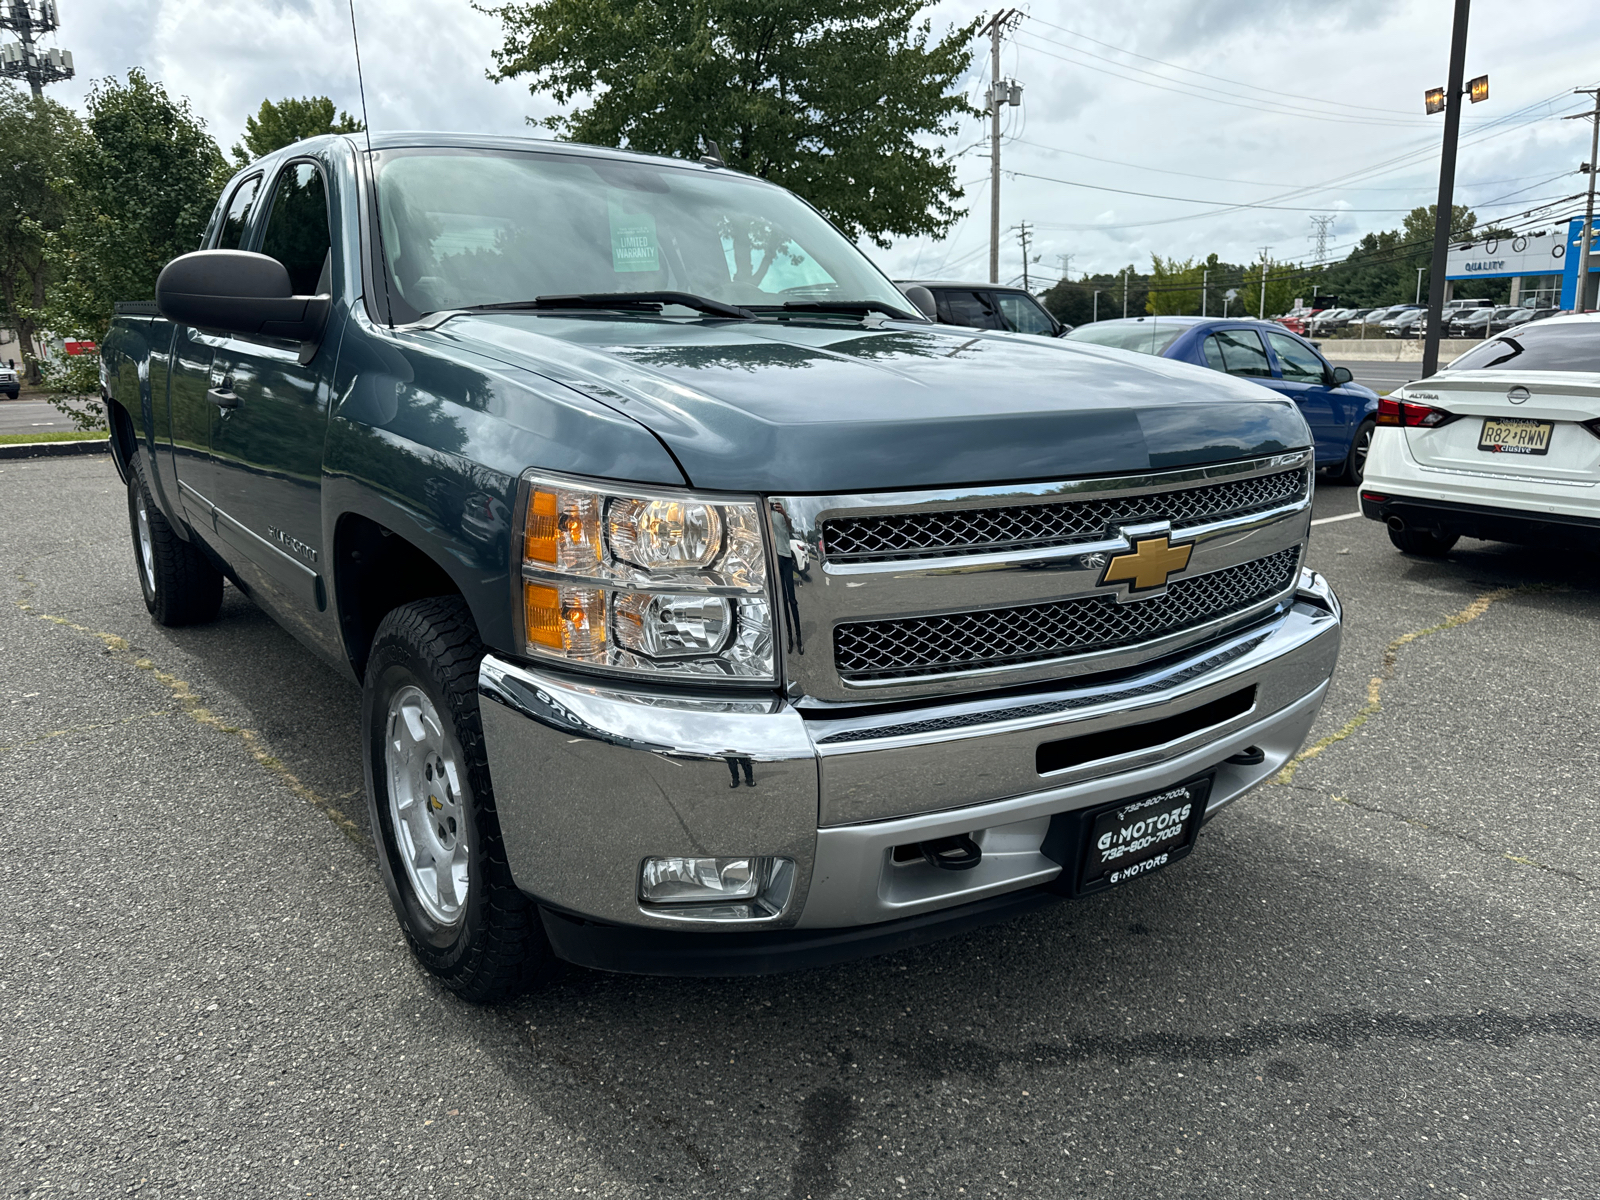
[{"x": 1498, "y": 258}]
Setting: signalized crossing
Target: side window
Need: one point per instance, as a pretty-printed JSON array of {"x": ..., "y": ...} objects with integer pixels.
[
  {"x": 1299, "y": 362},
  {"x": 1214, "y": 354},
  {"x": 970, "y": 308},
  {"x": 1023, "y": 314},
  {"x": 297, "y": 230},
  {"x": 1242, "y": 352},
  {"x": 237, "y": 218}
]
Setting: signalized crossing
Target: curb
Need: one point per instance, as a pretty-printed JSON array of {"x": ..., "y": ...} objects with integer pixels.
[{"x": 54, "y": 449}]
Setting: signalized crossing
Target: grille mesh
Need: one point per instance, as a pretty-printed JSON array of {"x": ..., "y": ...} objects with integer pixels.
[
  {"x": 978, "y": 530},
  {"x": 1008, "y": 636}
]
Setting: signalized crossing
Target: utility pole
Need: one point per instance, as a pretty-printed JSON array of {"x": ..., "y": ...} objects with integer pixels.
[
  {"x": 1447, "y": 188},
  {"x": 1420, "y": 270},
  {"x": 1124, "y": 293},
  {"x": 1023, "y": 234},
  {"x": 1205, "y": 278},
  {"x": 1001, "y": 91},
  {"x": 22, "y": 59},
  {"x": 1580, "y": 302},
  {"x": 1263, "y": 314},
  {"x": 1096, "y": 316}
]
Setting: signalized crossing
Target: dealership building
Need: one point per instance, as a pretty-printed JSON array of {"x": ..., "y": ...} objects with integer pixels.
[{"x": 1542, "y": 265}]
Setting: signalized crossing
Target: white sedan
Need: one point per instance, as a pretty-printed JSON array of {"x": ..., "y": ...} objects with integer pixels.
[{"x": 1503, "y": 444}]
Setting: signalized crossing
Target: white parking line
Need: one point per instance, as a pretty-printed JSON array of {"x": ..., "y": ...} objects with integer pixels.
[{"x": 1330, "y": 520}]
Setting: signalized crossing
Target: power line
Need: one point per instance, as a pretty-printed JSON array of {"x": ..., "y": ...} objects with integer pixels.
[
  {"x": 1099, "y": 187},
  {"x": 1273, "y": 92}
]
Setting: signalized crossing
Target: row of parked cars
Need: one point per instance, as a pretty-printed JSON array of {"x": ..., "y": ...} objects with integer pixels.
[{"x": 1463, "y": 319}]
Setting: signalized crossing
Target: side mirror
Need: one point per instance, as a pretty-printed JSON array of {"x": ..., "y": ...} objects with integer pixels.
[
  {"x": 238, "y": 292},
  {"x": 1341, "y": 376},
  {"x": 923, "y": 299}
]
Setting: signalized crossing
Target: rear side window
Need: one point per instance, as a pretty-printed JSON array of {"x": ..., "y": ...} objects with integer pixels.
[
  {"x": 1024, "y": 314},
  {"x": 1238, "y": 352},
  {"x": 1559, "y": 346},
  {"x": 237, "y": 219},
  {"x": 968, "y": 308},
  {"x": 1298, "y": 362},
  {"x": 1147, "y": 337},
  {"x": 297, "y": 230}
]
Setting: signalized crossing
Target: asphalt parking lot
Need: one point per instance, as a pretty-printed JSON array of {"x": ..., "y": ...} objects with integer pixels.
[{"x": 1374, "y": 978}]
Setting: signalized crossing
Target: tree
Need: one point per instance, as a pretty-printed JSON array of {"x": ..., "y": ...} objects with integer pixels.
[
  {"x": 1174, "y": 286},
  {"x": 288, "y": 121},
  {"x": 842, "y": 101},
  {"x": 32, "y": 133},
  {"x": 138, "y": 183}
]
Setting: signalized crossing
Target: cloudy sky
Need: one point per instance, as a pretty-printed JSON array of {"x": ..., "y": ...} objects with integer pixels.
[{"x": 1291, "y": 107}]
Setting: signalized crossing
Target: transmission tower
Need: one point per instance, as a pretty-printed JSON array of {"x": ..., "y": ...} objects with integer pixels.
[
  {"x": 1320, "y": 237},
  {"x": 23, "y": 59}
]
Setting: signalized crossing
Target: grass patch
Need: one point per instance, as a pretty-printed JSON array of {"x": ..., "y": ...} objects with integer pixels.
[{"x": 92, "y": 435}]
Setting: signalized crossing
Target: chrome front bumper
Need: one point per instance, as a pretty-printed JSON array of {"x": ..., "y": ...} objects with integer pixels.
[{"x": 591, "y": 778}]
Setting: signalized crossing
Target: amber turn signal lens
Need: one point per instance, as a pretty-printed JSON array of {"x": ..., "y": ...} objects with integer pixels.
[
  {"x": 543, "y": 525},
  {"x": 542, "y": 611}
]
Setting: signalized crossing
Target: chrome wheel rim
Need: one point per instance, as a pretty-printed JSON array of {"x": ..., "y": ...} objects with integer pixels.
[
  {"x": 147, "y": 550},
  {"x": 425, "y": 805},
  {"x": 1363, "y": 445}
]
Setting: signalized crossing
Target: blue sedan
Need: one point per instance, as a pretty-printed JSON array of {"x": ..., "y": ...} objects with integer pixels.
[{"x": 1341, "y": 413}]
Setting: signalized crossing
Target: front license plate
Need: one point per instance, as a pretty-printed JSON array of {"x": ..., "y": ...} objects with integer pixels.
[
  {"x": 1515, "y": 435},
  {"x": 1136, "y": 837}
]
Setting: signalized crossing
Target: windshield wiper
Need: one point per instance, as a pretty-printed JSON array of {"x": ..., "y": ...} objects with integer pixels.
[
  {"x": 850, "y": 308},
  {"x": 644, "y": 301}
]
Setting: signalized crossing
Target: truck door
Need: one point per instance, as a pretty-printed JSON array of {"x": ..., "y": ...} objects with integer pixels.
[
  {"x": 270, "y": 418},
  {"x": 193, "y": 408}
]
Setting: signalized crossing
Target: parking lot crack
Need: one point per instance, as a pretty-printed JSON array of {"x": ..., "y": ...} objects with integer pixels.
[
  {"x": 189, "y": 704},
  {"x": 74, "y": 730},
  {"x": 1464, "y": 839},
  {"x": 1386, "y": 669}
]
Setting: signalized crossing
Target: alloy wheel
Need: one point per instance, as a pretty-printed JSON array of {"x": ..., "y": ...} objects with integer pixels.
[{"x": 426, "y": 805}]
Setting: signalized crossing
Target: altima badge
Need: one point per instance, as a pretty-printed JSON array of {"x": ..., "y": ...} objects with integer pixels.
[{"x": 1152, "y": 562}]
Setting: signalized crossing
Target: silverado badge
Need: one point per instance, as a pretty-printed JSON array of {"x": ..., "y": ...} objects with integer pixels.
[{"x": 1150, "y": 564}]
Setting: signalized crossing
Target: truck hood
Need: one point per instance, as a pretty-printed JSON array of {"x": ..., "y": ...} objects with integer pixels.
[{"x": 825, "y": 406}]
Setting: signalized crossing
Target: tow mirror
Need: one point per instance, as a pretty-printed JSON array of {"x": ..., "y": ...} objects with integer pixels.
[
  {"x": 1341, "y": 376},
  {"x": 235, "y": 291},
  {"x": 923, "y": 299}
]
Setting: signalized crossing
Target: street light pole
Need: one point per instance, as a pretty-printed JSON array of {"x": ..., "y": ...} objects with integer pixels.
[
  {"x": 1205, "y": 278},
  {"x": 1263, "y": 314},
  {"x": 1420, "y": 270},
  {"x": 1447, "y": 189},
  {"x": 1124, "y": 293},
  {"x": 1096, "y": 316},
  {"x": 1585, "y": 238}
]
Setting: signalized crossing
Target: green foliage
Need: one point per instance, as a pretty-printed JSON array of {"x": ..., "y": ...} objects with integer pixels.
[
  {"x": 73, "y": 384},
  {"x": 138, "y": 183},
  {"x": 842, "y": 101},
  {"x": 1074, "y": 303},
  {"x": 1174, "y": 287},
  {"x": 288, "y": 121},
  {"x": 32, "y": 133}
]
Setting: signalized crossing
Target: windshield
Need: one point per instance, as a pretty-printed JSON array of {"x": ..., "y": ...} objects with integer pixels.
[
  {"x": 1145, "y": 337},
  {"x": 475, "y": 227},
  {"x": 1560, "y": 346}
]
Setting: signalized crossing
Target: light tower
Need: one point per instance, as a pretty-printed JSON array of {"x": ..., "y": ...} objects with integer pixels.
[{"x": 23, "y": 59}]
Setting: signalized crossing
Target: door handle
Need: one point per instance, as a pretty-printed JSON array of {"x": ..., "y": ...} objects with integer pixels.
[{"x": 223, "y": 397}]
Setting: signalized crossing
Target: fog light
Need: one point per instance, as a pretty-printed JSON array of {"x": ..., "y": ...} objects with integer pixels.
[{"x": 691, "y": 880}]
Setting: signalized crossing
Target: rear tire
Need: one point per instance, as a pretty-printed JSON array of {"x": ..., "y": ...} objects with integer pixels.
[
  {"x": 180, "y": 585},
  {"x": 1423, "y": 543},
  {"x": 431, "y": 805}
]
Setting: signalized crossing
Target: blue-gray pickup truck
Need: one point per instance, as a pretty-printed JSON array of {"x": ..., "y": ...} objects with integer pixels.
[{"x": 714, "y": 610}]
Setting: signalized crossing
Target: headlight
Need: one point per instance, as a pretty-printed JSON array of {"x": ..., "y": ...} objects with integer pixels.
[{"x": 642, "y": 583}]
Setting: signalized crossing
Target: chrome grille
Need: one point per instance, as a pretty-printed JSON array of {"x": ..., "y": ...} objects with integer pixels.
[
  {"x": 867, "y": 650},
  {"x": 984, "y": 530}
]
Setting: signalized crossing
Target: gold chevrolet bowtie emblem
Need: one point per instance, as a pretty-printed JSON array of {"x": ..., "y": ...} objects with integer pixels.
[{"x": 1149, "y": 566}]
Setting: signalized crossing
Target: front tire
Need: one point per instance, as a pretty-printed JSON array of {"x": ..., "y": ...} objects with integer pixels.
[
  {"x": 180, "y": 585},
  {"x": 1423, "y": 543},
  {"x": 431, "y": 805}
]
